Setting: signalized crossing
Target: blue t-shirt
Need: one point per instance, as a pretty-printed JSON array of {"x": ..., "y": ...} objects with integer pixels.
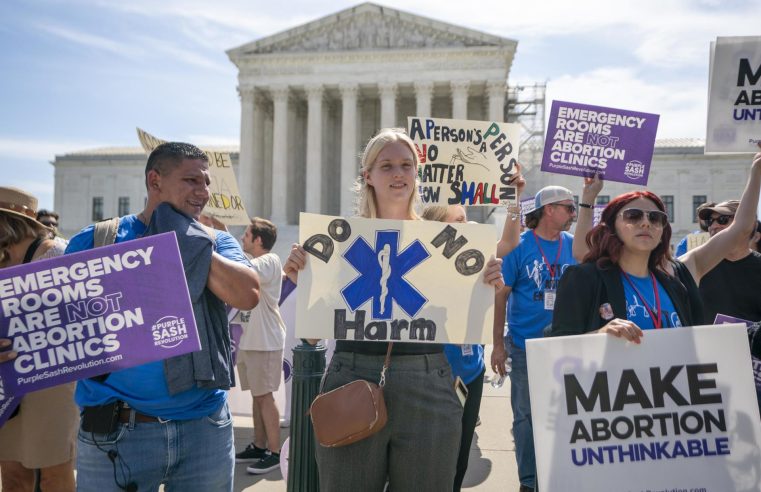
[
  {"x": 681, "y": 247},
  {"x": 636, "y": 310},
  {"x": 526, "y": 271},
  {"x": 144, "y": 387},
  {"x": 469, "y": 366}
]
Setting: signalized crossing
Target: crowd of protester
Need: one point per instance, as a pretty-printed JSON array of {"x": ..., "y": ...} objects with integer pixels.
[{"x": 173, "y": 428}]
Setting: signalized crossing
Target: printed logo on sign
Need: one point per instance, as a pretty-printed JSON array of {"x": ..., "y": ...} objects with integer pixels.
[
  {"x": 382, "y": 271},
  {"x": 287, "y": 370},
  {"x": 634, "y": 170},
  {"x": 169, "y": 332}
]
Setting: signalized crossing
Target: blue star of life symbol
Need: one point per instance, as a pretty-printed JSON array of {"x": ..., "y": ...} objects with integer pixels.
[{"x": 381, "y": 275}]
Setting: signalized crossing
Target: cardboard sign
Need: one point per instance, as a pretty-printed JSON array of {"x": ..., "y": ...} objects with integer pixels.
[
  {"x": 615, "y": 143},
  {"x": 677, "y": 412},
  {"x": 93, "y": 312},
  {"x": 225, "y": 201},
  {"x": 696, "y": 239},
  {"x": 393, "y": 280},
  {"x": 465, "y": 162},
  {"x": 734, "y": 95}
]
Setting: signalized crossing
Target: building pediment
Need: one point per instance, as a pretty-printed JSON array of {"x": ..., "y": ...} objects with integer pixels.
[{"x": 369, "y": 27}]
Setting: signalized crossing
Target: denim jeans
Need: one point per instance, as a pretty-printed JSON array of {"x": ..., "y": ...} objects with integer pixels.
[
  {"x": 417, "y": 449},
  {"x": 523, "y": 427},
  {"x": 184, "y": 455}
]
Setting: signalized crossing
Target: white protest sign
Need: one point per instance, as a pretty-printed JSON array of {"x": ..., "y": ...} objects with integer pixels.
[
  {"x": 225, "y": 201},
  {"x": 734, "y": 95},
  {"x": 393, "y": 280},
  {"x": 466, "y": 162},
  {"x": 695, "y": 239},
  {"x": 677, "y": 412}
]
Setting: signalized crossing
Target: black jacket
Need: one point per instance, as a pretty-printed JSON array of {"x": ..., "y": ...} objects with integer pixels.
[{"x": 584, "y": 288}]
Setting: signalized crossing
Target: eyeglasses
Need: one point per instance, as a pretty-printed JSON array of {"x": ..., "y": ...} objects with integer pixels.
[
  {"x": 721, "y": 220},
  {"x": 570, "y": 207},
  {"x": 635, "y": 215}
]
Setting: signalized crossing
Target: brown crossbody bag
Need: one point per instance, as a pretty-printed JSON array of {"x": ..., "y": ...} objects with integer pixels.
[{"x": 351, "y": 412}]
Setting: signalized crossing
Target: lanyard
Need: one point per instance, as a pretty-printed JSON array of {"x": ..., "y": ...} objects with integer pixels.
[
  {"x": 557, "y": 257},
  {"x": 656, "y": 320}
]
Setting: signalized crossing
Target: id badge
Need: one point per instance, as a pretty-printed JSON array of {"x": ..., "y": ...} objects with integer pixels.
[
  {"x": 467, "y": 349},
  {"x": 549, "y": 299}
]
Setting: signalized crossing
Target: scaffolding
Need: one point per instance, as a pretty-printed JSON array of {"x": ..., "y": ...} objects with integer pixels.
[{"x": 525, "y": 105}]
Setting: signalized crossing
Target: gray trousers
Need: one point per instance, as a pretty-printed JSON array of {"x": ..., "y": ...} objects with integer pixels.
[{"x": 417, "y": 449}]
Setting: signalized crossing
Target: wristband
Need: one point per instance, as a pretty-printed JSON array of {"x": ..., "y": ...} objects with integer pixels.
[{"x": 586, "y": 205}]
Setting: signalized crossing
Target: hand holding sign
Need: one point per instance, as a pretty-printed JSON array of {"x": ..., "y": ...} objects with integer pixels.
[
  {"x": 296, "y": 261},
  {"x": 6, "y": 355}
]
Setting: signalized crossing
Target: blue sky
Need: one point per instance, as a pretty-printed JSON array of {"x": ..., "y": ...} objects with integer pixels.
[{"x": 79, "y": 74}]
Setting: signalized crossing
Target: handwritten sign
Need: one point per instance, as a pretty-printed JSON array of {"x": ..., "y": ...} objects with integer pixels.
[
  {"x": 465, "y": 162},
  {"x": 696, "y": 239},
  {"x": 225, "y": 201},
  {"x": 615, "y": 143},
  {"x": 734, "y": 95},
  {"x": 677, "y": 412},
  {"x": 391, "y": 280},
  {"x": 93, "y": 312}
]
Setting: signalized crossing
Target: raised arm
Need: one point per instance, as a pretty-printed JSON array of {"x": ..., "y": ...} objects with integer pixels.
[
  {"x": 585, "y": 217},
  {"x": 499, "y": 352},
  {"x": 511, "y": 232},
  {"x": 705, "y": 257},
  {"x": 234, "y": 283}
]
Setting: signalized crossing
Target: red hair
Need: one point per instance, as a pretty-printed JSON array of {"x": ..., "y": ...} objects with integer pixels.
[{"x": 605, "y": 246}]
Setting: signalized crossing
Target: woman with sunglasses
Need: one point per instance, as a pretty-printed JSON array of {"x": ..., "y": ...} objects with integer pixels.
[
  {"x": 628, "y": 281},
  {"x": 420, "y": 442}
]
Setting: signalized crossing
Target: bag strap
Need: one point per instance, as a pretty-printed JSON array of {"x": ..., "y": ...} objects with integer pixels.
[
  {"x": 386, "y": 363},
  {"x": 104, "y": 232},
  {"x": 32, "y": 249}
]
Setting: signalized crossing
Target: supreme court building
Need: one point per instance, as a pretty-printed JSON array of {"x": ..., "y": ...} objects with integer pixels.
[{"x": 312, "y": 96}]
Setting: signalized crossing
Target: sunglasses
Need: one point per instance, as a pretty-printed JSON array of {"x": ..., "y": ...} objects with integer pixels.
[
  {"x": 721, "y": 220},
  {"x": 635, "y": 215},
  {"x": 568, "y": 206}
]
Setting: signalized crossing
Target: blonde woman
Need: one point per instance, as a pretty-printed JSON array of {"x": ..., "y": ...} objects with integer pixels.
[
  {"x": 42, "y": 435},
  {"x": 419, "y": 445}
]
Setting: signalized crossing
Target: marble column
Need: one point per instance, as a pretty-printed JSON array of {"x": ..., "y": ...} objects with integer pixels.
[
  {"x": 496, "y": 91},
  {"x": 313, "y": 200},
  {"x": 460, "y": 99},
  {"x": 247, "y": 171},
  {"x": 423, "y": 97},
  {"x": 349, "y": 160},
  {"x": 279, "y": 154},
  {"x": 388, "y": 104}
]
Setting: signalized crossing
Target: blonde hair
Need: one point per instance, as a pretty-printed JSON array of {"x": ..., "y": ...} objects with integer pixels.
[
  {"x": 435, "y": 212},
  {"x": 14, "y": 229},
  {"x": 366, "y": 205}
]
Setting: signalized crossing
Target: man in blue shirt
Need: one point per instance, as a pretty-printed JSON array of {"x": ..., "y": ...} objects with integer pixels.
[
  {"x": 181, "y": 439},
  {"x": 531, "y": 273}
]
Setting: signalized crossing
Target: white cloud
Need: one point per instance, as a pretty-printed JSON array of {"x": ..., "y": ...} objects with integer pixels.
[
  {"x": 41, "y": 149},
  {"x": 220, "y": 140},
  {"x": 90, "y": 40},
  {"x": 682, "y": 107}
]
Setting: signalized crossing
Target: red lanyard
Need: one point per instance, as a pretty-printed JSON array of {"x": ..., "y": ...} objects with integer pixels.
[
  {"x": 557, "y": 257},
  {"x": 656, "y": 320}
]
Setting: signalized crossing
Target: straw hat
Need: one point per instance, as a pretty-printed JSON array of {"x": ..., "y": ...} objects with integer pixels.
[{"x": 20, "y": 203}]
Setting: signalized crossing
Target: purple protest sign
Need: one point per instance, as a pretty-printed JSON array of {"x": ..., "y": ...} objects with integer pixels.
[
  {"x": 615, "y": 143},
  {"x": 527, "y": 206},
  {"x": 93, "y": 312},
  {"x": 723, "y": 319},
  {"x": 7, "y": 406}
]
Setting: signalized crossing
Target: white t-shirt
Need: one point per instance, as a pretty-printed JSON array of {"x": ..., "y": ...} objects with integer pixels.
[{"x": 263, "y": 328}]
